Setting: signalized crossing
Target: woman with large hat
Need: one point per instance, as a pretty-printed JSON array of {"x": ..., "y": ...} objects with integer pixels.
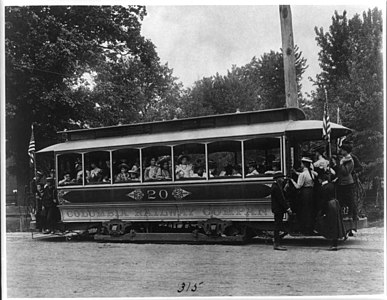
[
  {"x": 183, "y": 169},
  {"x": 123, "y": 176},
  {"x": 305, "y": 184},
  {"x": 134, "y": 173}
]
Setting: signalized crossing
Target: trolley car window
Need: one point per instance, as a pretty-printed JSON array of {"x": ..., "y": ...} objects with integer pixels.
[
  {"x": 262, "y": 157},
  {"x": 190, "y": 161},
  {"x": 156, "y": 163},
  {"x": 126, "y": 165},
  {"x": 97, "y": 164},
  {"x": 225, "y": 159},
  {"x": 70, "y": 169}
]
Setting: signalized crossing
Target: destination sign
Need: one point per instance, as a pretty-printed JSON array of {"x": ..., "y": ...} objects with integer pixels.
[{"x": 248, "y": 212}]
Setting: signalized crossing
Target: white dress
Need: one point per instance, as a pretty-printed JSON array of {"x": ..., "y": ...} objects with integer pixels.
[{"x": 184, "y": 171}]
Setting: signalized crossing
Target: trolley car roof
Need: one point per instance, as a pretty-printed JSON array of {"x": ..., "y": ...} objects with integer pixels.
[{"x": 298, "y": 129}]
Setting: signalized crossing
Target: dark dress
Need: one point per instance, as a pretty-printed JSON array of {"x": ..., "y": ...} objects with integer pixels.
[
  {"x": 329, "y": 219},
  {"x": 51, "y": 211},
  {"x": 279, "y": 205}
]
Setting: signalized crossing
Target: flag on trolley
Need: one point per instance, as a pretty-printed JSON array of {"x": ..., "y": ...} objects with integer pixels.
[
  {"x": 326, "y": 124},
  {"x": 31, "y": 147}
]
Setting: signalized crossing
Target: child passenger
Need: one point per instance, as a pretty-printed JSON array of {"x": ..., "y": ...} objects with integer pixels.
[
  {"x": 183, "y": 169},
  {"x": 123, "y": 176},
  {"x": 151, "y": 171},
  {"x": 163, "y": 172}
]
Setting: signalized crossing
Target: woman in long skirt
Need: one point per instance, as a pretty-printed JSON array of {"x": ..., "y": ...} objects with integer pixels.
[
  {"x": 305, "y": 183},
  {"x": 329, "y": 220}
]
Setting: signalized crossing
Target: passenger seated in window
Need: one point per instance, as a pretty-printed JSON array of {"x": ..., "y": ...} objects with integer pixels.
[
  {"x": 66, "y": 180},
  {"x": 236, "y": 171},
  {"x": 212, "y": 168},
  {"x": 151, "y": 171},
  {"x": 95, "y": 173},
  {"x": 163, "y": 172},
  {"x": 79, "y": 180},
  {"x": 105, "y": 167},
  {"x": 200, "y": 172},
  {"x": 183, "y": 169},
  {"x": 275, "y": 168},
  {"x": 269, "y": 162},
  {"x": 227, "y": 170},
  {"x": 252, "y": 169},
  {"x": 134, "y": 173},
  {"x": 261, "y": 168},
  {"x": 123, "y": 176}
]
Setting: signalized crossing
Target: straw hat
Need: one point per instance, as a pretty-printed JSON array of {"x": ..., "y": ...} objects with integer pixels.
[
  {"x": 306, "y": 159},
  {"x": 163, "y": 160},
  {"x": 134, "y": 169}
]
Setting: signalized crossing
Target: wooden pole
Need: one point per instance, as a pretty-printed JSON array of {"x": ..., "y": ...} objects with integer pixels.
[{"x": 288, "y": 56}]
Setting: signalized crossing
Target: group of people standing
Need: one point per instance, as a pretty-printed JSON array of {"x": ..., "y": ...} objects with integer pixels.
[
  {"x": 317, "y": 196},
  {"x": 46, "y": 210}
]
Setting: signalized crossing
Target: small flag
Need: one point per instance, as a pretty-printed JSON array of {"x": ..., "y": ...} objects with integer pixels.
[
  {"x": 326, "y": 124},
  {"x": 31, "y": 147}
]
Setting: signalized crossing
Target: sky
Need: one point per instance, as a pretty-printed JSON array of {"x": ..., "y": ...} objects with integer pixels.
[{"x": 199, "y": 41}]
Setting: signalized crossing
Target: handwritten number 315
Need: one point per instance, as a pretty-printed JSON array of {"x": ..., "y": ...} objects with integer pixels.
[{"x": 183, "y": 286}]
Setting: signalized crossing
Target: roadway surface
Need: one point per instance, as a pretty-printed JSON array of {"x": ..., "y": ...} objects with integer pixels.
[{"x": 41, "y": 268}]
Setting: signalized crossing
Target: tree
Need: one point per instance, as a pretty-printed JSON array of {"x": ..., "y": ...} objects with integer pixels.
[
  {"x": 256, "y": 85},
  {"x": 49, "y": 48},
  {"x": 128, "y": 91},
  {"x": 268, "y": 73},
  {"x": 352, "y": 74}
]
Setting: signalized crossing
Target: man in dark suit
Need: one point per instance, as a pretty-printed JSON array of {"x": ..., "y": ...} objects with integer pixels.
[
  {"x": 49, "y": 202},
  {"x": 279, "y": 206}
]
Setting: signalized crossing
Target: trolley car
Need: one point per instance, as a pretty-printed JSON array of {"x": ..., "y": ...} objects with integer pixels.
[{"x": 222, "y": 198}]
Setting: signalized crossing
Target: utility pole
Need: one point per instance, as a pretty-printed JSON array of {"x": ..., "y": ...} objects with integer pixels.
[{"x": 288, "y": 55}]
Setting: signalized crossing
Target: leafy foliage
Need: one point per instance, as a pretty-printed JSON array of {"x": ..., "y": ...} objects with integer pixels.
[
  {"x": 256, "y": 85},
  {"x": 352, "y": 74},
  {"x": 50, "y": 48}
]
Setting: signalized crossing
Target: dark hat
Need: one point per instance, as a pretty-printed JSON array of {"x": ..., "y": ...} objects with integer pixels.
[
  {"x": 123, "y": 165},
  {"x": 278, "y": 175},
  {"x": 346, "y": 147}
]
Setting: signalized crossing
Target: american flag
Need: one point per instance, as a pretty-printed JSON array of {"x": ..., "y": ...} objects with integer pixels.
[
  {"x": 31, "y": 147},
  {"x": 326, "y": 124}
]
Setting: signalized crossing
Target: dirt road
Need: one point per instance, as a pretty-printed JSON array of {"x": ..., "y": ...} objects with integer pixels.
[{"x": 37, "y": 268}]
